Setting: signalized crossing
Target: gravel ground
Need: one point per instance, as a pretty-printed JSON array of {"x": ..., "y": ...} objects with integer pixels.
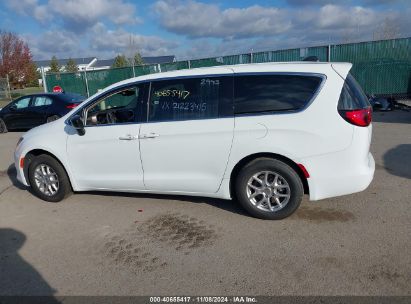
[{"x": 116, "y": 244}]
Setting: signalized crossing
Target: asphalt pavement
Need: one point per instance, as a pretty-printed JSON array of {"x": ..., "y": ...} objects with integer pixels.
[{"x": 129, "y": 244}]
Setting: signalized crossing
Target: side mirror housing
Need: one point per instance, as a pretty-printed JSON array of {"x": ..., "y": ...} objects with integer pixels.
[
  {"x": 77, "y": 123},
  {"x": 13, "y": 108}
]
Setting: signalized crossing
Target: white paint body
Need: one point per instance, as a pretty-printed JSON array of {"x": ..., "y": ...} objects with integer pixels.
[{"x": 197, "y": 157}]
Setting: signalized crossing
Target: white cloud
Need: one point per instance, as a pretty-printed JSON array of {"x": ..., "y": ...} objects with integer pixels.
[
  {"x": 196, "y": 19},
  {"x": 30, "y": 7},
  {"x": 121, "y": 41},
  {"x": 334, "y": 16},
  {"x": 22, "y": 6},
  {"x": 60, "y": 43},
  {"x": 78, "y": 15},
  {"x": 328, "y": 23}
]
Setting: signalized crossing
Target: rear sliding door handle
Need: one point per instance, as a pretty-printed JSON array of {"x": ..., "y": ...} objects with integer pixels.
[
  {"x": 146, "y": 136},
  {"x": 128, "y": 137}
]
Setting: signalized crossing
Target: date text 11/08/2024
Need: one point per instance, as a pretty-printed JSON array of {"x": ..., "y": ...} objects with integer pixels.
[{"x": 207, "y": 299}]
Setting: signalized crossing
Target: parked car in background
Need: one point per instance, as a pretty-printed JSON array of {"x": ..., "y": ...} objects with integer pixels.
[
  {"x": 263, "y": 134},
  {"x": 33, "y": 110}
]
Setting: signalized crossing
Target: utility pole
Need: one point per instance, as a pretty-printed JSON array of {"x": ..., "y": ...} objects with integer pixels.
[
  {"x": 43, "y": 77},
  {"x": 85, "y": 78}
]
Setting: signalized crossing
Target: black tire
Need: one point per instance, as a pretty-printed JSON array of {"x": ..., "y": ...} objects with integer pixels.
[
  {"x": 3, "y": 127},
  {"x": 52, "y": 118},
  {"x": 64, "y": 187},
  {"x": 295, "y": 188}
]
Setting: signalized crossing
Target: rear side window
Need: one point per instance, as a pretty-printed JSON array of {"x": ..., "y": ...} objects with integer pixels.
[
  {"x": 190, "y": 99},
  {"x": 271, "y": 93},
  {"x": 41, "y": 101},
  {"x": 352, "y": 96}
]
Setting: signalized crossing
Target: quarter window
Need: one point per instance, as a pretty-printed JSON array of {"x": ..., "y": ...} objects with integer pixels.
[
  {"x": 190, "y": 99},
  {"x": 271, "y": 93},
  {"x": 352, "y": 96}
]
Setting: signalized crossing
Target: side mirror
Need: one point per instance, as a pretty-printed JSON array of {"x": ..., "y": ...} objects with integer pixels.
[
  {"x": 77, "y": 123},
  {"x": 13, "y": 108}
]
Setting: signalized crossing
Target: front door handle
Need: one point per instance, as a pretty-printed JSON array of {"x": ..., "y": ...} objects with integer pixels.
[
  {"x": 146, "y": 136},
  {"x": 128, "y": 137}
]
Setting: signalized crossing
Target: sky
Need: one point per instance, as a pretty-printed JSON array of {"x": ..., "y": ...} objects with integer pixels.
[{"x": 193, "y": 29}]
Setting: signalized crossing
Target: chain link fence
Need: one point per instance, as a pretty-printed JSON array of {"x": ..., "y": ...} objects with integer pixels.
[{"x": 383, "y": 68}]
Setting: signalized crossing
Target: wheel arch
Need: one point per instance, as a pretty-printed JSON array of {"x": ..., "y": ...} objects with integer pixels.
[
  {"x": 246, "y": 160},
  {"x": 36, "y": 152}
]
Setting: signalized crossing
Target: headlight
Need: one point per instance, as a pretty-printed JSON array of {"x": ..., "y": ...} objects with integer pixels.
[{"x": 19, "y": 142}]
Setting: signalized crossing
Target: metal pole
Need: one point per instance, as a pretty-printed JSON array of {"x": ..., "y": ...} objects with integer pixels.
[
  {"x": 329, "y": 53},
  {"x": 159, "y": 68},
  {"x": 85, "y": 78},
  {"x": 189, "y": 64},
  {"x": 43, "y": 77}
]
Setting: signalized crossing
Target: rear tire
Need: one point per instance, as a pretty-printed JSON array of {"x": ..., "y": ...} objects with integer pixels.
[
  {"x": 269, "y": 189},
  {"x": 48, "y": 179},
  {"x": 3, "y": 127},
  {"x": 52, "y": 118}
]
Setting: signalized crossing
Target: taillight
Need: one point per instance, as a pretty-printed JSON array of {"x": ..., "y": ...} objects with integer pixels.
[
  {"x": 72, "y": 105},
  {"x": 360, "y": 117}
]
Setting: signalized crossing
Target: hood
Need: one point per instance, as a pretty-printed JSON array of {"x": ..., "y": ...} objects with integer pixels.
[{"x": 47, "y": 129}]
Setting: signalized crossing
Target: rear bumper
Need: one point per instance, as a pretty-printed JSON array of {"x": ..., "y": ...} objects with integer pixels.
[{"x": 339, "y": 174}]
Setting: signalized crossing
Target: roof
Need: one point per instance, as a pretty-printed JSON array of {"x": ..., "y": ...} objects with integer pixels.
[
  {"x": 65, "y": 96},
  {"x": 146, "y": 60},
  {"x": 62, "y": 62}
]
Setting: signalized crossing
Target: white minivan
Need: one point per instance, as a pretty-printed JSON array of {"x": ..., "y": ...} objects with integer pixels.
[{"x": 262, "y": 134}]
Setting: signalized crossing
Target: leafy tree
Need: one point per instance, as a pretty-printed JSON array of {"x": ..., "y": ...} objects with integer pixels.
[
  {"x": 33, "y": 75},
  {"x": 120, "y": 61},
  {"x": 54, "y": 65},
  {"x": 138, "y": 60},
  {"x": 15, "y": 59},
  {"x": 71, "y": 66}
]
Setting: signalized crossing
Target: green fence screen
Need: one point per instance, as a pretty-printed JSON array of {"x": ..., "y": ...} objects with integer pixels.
[{"x": 381, "y": 67}]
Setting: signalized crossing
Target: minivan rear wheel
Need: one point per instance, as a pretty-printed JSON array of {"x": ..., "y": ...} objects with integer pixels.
[
  {"x": 48, "y": 179},
  {"x": 269, "y": 189}
]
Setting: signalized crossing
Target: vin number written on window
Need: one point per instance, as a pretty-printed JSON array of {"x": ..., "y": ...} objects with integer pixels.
[{"x": 184, "y": 106}]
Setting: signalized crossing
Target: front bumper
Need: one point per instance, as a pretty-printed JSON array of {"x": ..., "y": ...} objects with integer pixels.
[{"x": 20, "y": 171}]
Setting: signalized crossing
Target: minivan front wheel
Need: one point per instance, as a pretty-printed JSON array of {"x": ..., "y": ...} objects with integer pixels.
[
  {"x": 48, "y": 179},
  {"x": 269, "y": 189}
]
